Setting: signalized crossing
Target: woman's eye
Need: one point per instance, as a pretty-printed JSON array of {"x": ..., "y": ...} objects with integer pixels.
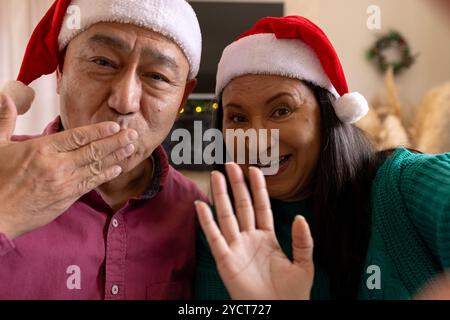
[
  {"x": 281, "y": 112},
  {"x": 238, "y": 119}
]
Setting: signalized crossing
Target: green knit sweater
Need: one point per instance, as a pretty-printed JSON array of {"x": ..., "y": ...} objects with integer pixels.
[{"x": 410, "y": 231}]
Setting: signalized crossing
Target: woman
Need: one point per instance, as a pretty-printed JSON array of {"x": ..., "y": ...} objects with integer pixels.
[{"x": 380, "y": 221}]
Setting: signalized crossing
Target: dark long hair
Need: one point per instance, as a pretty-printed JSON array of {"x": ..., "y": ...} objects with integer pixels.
[{"x": 342, "y": 182}]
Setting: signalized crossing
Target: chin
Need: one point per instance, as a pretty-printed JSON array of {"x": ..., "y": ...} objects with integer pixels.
[{"x": 274, "y": 192}]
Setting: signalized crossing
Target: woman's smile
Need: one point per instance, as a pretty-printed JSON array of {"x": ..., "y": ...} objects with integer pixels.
[{"x": 280, "y": 164}]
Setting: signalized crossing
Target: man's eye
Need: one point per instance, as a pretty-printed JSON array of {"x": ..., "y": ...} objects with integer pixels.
[
  {"x": 157, "y": 77},
  {"x": 281, "y": 112},
  {"x": 102, "y": 63}
]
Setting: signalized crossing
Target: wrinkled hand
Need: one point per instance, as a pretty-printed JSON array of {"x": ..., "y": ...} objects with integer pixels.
[
  {"x": 248, "y": 256},
  {"x": 43, "y": 177}
]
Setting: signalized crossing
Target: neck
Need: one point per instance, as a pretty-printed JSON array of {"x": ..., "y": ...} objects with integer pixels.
[
  {"x": 131, "y": 184},
  {"x": 296, "y": 198}
]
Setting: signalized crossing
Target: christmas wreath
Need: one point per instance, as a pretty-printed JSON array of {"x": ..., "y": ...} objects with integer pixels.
[{"x": 392, "y": 40}]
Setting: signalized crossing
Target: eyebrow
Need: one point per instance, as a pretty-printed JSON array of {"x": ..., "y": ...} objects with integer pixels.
[
  {"x": 232, "y": 105},
  {"x": 277, "y": 96},
  {"x": 268, "y": 101},
  {"x": 110, "y": 42},
  {"x": 121, "y": 45},
  {"x": 160, "y": 57}
]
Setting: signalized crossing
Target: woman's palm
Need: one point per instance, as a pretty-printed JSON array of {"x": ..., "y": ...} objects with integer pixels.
[{"x": 247, "y": 253}]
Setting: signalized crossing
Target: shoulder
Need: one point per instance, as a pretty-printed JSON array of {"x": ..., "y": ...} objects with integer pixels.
[
  {"x": 403, "y": 163},
  {"x": 409, "y": 174}
]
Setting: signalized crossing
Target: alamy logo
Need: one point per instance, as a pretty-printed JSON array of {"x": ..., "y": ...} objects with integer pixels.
[
  {"x": 374, "y": 280},
  {"x": 374, "y": 20},
  {"x": 74, "y": 279},
  {"x": 255, "y": 147},
  {"x": 73, "y": 21}
]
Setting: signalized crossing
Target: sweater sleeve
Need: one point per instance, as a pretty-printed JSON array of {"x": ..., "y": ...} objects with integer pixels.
[
  {"x": 425, "y": 188},
  {"x": 208, "y": 285}
]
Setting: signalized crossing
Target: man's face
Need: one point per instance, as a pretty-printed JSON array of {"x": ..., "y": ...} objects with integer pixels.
[{"x": 130, "y": 75}]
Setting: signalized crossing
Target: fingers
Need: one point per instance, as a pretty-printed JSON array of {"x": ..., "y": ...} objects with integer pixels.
[
  {"x": 76, "y": 138},
  {"x": 227, "y": 220},
  {"x": 96, "y": 151},
  {"x": 94, "y": 174},
  {"x": 8, "y": 116},
  {"x": 88, "y": 184},
  {"x": 97, "y": 167},
  {"x": 217, "y": 243},
  {"x": 242, "y": 200},
  {"x": 302, "y": 242},
  {"x": 263, "y": 213}
]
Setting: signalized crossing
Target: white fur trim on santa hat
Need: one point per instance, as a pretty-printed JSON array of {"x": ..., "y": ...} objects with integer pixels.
[
  {"x": 174, "y": 19},
  {"x": 351, "y": 107},
  {"x": 265, "y": 54}
]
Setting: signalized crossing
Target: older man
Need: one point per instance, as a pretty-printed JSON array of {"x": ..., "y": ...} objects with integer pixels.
[{"x": 131, "y": 64}]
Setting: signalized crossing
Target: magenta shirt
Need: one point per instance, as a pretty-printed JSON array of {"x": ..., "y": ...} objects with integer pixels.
[{"x": 146, "y": 250}]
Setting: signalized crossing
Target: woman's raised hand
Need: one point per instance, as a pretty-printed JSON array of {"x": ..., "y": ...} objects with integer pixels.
[{"x": 248, "y": 256}]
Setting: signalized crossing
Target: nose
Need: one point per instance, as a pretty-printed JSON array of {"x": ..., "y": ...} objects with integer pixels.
[
  {"x": 126, "y": 93},
  {"x": 262, "y": 136}
]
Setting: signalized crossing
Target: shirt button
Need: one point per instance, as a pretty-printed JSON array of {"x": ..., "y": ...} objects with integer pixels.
[
  {"x": 115, "y": 223},
  {"x": 115, "y": 289}
]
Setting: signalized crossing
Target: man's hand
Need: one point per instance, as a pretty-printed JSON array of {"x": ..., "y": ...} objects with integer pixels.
[
  {"x": 248, "y": 256},
  {"x": 43, "y": 177}
]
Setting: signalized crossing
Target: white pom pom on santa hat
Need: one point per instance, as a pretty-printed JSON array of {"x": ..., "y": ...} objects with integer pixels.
[
  {"x": 351, "y": 107},
  {"x": 291, "y": 47}
]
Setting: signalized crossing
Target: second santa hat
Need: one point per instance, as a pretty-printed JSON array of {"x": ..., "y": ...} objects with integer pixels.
[{"x": 292, "y": 47}]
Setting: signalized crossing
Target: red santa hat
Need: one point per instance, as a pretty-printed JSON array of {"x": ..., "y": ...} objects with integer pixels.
[
  {"x": 291, "y": 47},
  {"x": 174, "y": 19}
]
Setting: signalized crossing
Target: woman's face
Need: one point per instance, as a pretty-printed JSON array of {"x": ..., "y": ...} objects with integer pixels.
[{"x": 273, "y": 102}]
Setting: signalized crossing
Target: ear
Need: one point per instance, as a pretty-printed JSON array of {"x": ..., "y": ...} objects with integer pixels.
[
  {"x": 58, "y": 80},
  {"x": 190, "y": 86}
]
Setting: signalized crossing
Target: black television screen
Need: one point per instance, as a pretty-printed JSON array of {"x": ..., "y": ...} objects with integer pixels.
[{"x": 221, "y": 24}]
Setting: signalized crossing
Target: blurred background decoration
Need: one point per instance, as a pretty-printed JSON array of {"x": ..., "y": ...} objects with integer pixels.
[
  {"x": 391, "y": 50},
  {"x": 428, "y": 130}
]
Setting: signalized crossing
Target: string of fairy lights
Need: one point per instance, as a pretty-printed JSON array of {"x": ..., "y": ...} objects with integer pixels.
[{"x": 199, "y": 107}]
